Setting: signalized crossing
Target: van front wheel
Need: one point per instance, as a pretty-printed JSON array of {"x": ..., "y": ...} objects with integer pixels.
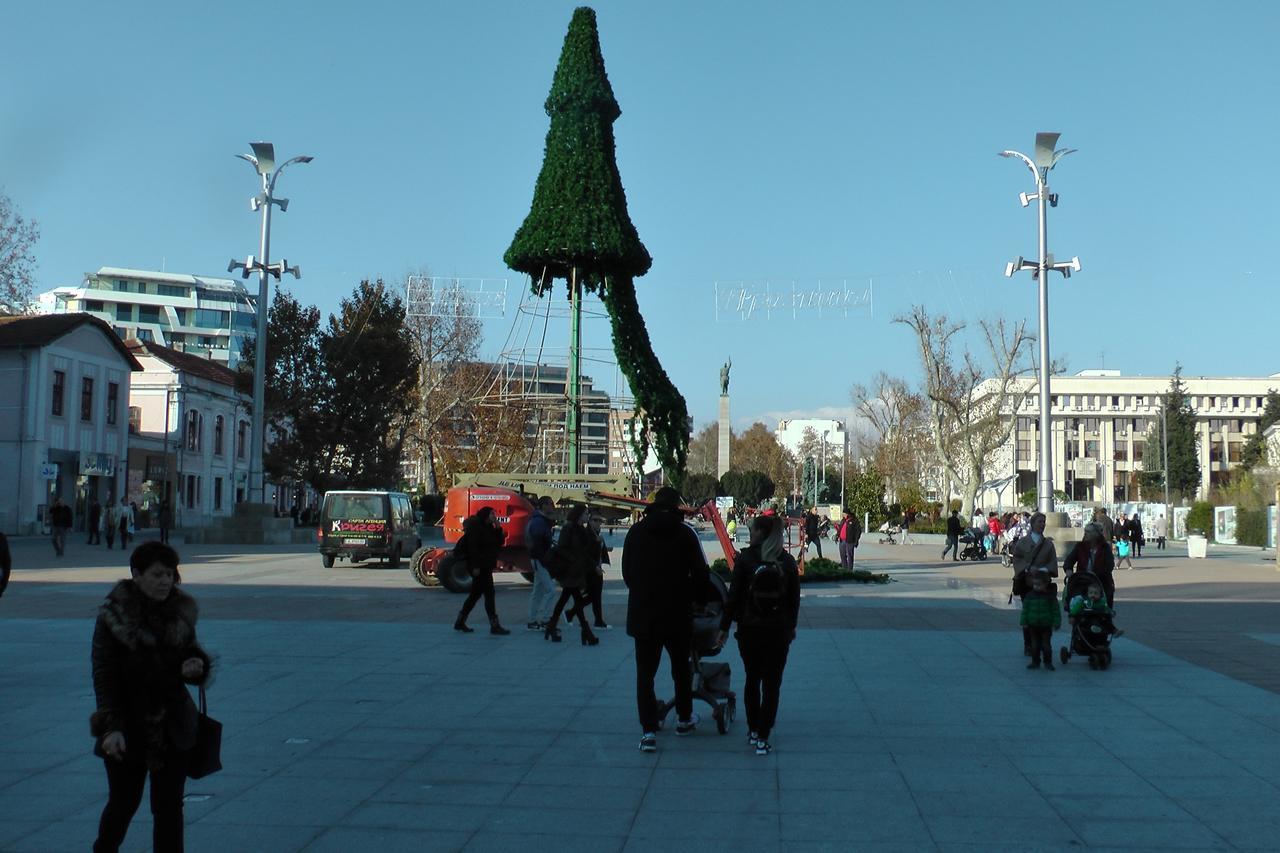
[{"x": 328, "y": 561}]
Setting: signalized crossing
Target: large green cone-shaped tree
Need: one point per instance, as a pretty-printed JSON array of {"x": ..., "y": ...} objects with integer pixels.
[{"x": 578, "y": 229}]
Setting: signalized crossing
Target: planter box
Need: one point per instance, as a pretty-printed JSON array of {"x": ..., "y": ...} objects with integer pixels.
[{"x": 1197, "y": 547}]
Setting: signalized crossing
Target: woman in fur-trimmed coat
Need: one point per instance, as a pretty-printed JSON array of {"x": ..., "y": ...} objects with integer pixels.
[{"x": 144, "y": 654}]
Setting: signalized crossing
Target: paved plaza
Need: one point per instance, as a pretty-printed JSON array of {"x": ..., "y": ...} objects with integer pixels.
[{"x": 356, "y": 719}]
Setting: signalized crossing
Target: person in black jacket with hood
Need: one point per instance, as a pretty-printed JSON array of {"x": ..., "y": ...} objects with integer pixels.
[
  {"x": 482, "y": 536},
  {"x": 581, "y": 550},
  {"x": 764, "y": 599},
  {"x": 665, "y": 571}
]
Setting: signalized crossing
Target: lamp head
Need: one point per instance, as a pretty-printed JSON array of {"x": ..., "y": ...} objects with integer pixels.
[
  {"x": 265, "y": 157},
  {"x": 1045, "y": 145}
]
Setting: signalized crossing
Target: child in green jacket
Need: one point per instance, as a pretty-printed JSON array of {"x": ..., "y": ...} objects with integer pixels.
[{"x": 1041, "y": 613}]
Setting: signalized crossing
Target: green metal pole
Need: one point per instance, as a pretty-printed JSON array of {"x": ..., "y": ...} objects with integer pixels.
[{"x": 575, "y": 370}]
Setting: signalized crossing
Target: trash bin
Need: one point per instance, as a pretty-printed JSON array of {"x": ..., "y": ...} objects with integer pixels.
[{"x": 1197, "y": 544}]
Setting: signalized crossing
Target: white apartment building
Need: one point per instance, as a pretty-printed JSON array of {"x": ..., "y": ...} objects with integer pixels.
[
  {"x": 790, "y": 434},
  {"x": 1101, "y": 420},
  {"x": 209, "y": 317},
  {"x": 63, "y": 422},
  {"x": 189, "y": 435}
]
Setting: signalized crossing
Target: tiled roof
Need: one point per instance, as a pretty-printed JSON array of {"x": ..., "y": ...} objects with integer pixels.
[
  {"x": 44, "y": 329},
  {"x": 187, "y": 363}
]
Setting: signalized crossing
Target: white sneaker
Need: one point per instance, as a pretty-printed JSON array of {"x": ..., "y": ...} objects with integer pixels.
[
  {"x": 648, "y": 742},
  {"x": 763, "y": 748},
  {"x": 752, "y": 738},
  {"x": 686, "y": 727}
]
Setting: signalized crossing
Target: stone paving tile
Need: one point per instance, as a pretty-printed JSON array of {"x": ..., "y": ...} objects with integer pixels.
[
  {"x": 1009, "y": 831},
  {"x": 1135, "y": 834},
  {"x": 487, "y": 841},
  {"x": 345, "y": 839},
  {"x": 899, "y": 824},
  {"x": 420, "y": 816},
  {"x": 546, "y": 821}
]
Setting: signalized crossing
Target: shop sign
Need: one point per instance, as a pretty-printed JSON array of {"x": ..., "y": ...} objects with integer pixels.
[{"x": 97, "y": 464}]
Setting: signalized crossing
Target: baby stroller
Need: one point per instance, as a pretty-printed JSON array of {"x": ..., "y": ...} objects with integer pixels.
[
  {"x": 888, "y": 531},
  {"x": 974, "y": 548},
  {"x": 1091, "y": 631},
  {"x": 710, "y": 680}
]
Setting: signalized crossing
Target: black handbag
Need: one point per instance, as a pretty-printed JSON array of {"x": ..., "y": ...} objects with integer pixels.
[{"x": 206, "y": 756}]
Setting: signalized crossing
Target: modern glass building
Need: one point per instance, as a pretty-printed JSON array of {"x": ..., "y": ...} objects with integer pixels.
[{"x": 210, "y": 317}]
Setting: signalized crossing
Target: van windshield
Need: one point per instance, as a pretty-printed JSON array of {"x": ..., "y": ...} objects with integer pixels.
[{"x": 361, "y": 507}]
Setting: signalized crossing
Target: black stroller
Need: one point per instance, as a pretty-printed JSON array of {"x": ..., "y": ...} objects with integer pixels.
[
  {"x": 974, "y": 548},
  {"x": 711, "y": 680},
  {"x": 1091, "y": 630}
]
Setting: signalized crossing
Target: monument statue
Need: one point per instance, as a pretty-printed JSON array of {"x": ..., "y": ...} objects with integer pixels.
[{"x": 724, "y": 376}]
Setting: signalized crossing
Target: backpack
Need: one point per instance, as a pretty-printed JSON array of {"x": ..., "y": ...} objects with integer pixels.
[{"x": 766, "y": 591}]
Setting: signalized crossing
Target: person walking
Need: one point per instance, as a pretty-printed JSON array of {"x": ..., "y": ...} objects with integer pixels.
[
  {"x": 144, "y": 654},
  {"x": 812, "y": 533},
  {"x": 665, "y": 571},
  {"x": 125, "y": 522},
  {"x": 1093, "y": 554},
  {"x": 849, "y": 535},
  {"x": 59, "y": 522},
  {"x": 539, "y": 537},
  {"x": 1040, "y": 615},
  {"x": 1160, "y": 529},
  {"x": 994, "y": 529},
  {"x": 94, "y": 524},
  {"x": 1124, "y": 551},
  {"x": 482, "y": 536},
  {"x": 954, "y": 529},
  {"x": 764, "y": 599},
  {"x": 1136, "y": 536},
  {"x": 110, "y": 523},
  {"x": 162, "y": 513},
  {"x": 1030, "y": 554},
  {"x": 595, "y": 579},
  {"x": 581, "y": 552},
  {"x": 908, "y": 518},
  {"x": 1105, "y": 523}
]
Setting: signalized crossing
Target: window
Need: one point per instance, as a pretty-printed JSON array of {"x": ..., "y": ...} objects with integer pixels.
[
  {"x": 59, "y": 385},
  {"x": 241, "y": 434},
  {"x": 1120, "y": 425},
  {"x": 113, "y": 402},
  {"x": 217, "y": 438},
  {"x": 148, "y": 314},
  {"x": 1091, "y": 425},
  {"x": 93, "y": 305},
  {"x": 86, "y": 398},
  {"x": 194, "y": 423},
  {"x": 135, "y": 419},
  {"x": 217, "y": 491},
  {"x": 1091, "y": 448},
  {"x": 191, "y": 491},
  {"x": 1138, "y": 447},
  {"x": 1054, "y": 402},
  {"x": 124, "y": 312},
  {"x": 122, "y": 285},
  {"x": 145, "y": 336},
  {"x": 1115, "y": 400},
  {"x": 213, "y": 319},
  {"x": 171, "y": 290}
]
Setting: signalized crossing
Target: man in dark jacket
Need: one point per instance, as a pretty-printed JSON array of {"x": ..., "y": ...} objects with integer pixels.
[
  {"x": 95, "y": 521},
  {"x": 665, "y": 571},
  {"x": 954, "y": 530},
  {"x": 60, "y": 523},
  {"x": 812, "y": 533}
]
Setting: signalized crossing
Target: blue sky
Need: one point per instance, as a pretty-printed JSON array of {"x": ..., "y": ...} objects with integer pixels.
[{"x": 804, "y": 141}]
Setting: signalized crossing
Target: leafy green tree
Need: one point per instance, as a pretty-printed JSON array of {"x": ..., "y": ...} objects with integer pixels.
[
  {"x": 295, "y": 384},
  {"x": 372, "y": 372},
  {"x": 758, "y": 448},
  {"x": 1183, "y": 464},
  {"x": 578, "y": 229},
  {"x": 748, "y": 488},
  {"x": 699, "y": 488},
  {"x": 864, "y": 494},
  {"x": 1255, "y": 449}
]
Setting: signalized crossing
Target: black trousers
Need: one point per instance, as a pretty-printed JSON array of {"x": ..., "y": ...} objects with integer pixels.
[
  {"x": 481, "y": 585},
  {"x": 593, "y": 592},
  {"x": 764, "y": 657},
  {"x": 648, "y": 656},
  {"x": 95, "y": 535},
  {"x": 125, "y": 781},
  {"x": 1041, "y": 643},
  {"x": 953, "y": 545}
]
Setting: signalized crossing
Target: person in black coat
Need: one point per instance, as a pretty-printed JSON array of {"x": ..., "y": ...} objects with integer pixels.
[
  {"x": 580, "y": 550},
  {"x": 766, "y": 622},
  {"x": 954, "y": 529},
  {"x": 1093, "y": 554},
  {"x": 595, "y": 578},
  {"x": 6, "y": 563},
  {"x": 482, "y": 537},
  {"x": 95, "y": 521},
  {"x": 812, "y": 533},
  {"x": 1136, "y": 535},
  {"x": 144, "y": 654},
  {"x": 665, "y": 571}
]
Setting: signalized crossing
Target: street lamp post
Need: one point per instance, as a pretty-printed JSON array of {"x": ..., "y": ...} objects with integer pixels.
[
  {"x": 263, "y": 161},
  {"x": 1046, "y": 158}
]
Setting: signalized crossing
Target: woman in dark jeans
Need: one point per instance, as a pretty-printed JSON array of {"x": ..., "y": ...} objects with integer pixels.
[
  {"x": 482, "y": 536},
  {"x": 595, "y": 580},
  {"x": 144, "y": 654},
  {"x": 579, "y": 549},
  {"x": 766, "y": 623}
]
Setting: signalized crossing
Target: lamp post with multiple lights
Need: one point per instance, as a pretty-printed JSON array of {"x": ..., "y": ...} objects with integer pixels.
[
  {"x": 1046, "y": 158},
  {"x": 263, "y": 161}
]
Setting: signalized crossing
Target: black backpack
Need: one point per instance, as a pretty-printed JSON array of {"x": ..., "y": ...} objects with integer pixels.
[{"x": 766, "y": 592}]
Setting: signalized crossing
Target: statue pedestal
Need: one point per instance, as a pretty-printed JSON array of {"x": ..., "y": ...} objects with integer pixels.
[
  {"x": 1057, "y": 526},
  {"x": 722, "y": 454}
]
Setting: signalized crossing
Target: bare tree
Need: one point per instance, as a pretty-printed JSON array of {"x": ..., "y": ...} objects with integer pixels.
[
  {"x": 446, "y": 336},
  {"x": 704, "y": 451},
  {"x": 972, "y": 408},
  {"x": 899, "y": 430},
  {"x": 17, "y": 237}
]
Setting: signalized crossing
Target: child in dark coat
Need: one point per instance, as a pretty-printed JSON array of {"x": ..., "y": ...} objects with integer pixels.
[{"x": 1041, "y": 613}]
